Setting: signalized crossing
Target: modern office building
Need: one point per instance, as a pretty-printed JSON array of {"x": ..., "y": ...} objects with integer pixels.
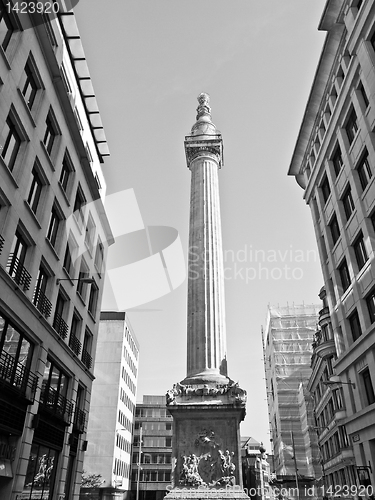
[
  {"x": 54, "y": 236},
  {"x": 153, "y": 443},
  {"x": 113, "y": 404},
  {"x": 334, "y": 164},
  {"x": 288, "y": 338}
]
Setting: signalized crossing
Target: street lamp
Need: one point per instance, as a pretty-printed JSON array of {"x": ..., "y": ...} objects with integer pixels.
[
  {"x": 335, "y": 380},
  {"x": 89, "y": 281}
]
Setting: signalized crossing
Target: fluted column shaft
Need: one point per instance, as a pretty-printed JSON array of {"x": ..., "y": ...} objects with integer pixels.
[{"x": 206, "y": 340}]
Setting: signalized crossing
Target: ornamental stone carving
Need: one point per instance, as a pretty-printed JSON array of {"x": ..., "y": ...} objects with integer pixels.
[
  {"x": 210, "y": 466},
  {"x": 231, "y": 390}
]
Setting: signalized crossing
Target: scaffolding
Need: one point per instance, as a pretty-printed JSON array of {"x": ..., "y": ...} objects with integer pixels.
[{"x": 287, "y": 348}]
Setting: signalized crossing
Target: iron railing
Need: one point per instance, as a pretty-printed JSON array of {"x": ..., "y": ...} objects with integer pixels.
[
  {"x": 60, "y": 326},
  {"x": 56, "y": 404},
  {"x": 17, "y": 271},
  {"x": 43, "y": 304},
  {"x": 7, "y": 452},
  {"x": 1, "y": 243},
  {"x": 17, "y": 376},
  {"x": 86, "y": 359},
  {"x": 79, "y": 420},
  {"x": 75, "y": 344}
]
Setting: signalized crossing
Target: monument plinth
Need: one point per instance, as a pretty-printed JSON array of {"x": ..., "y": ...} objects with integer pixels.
[{"x": 207, "y": 406}]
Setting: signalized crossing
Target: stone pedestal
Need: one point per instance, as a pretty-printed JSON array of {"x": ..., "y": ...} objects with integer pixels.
[{"x": 206, "y": 442}]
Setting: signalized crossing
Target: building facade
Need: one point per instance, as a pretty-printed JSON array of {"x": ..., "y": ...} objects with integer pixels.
[
  {"x": 334, "y": 163},
  {"x": 288, "y": 341},
  {"x": 54, "y": 236},
  {"x": 255, "y": 469},
  {"x": 113, "y": 404},
  {"x": 152, "y": 474},
  {"x": 336, "y": 451}
]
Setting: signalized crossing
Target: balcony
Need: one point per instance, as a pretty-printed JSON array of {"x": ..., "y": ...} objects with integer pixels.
[
  {"x": 1, "y": 243},
  {"x": 79, "y": 420},
  {"x": 41, "y": 302},
  {"x": 324, "y": 316},
  {"x": 17, "y": 271},
  {"x": 75, "y": 344},
  {"x": 56, "y": 404},
  {"x": 86, "y": 359},
  {"x": 60, "y": 326},
  {"x": 323, "y": 347},
  {"x": 16, "y": 377}
]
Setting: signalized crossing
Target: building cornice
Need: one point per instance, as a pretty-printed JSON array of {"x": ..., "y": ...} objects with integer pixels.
[{"x": 321, "y": 80}]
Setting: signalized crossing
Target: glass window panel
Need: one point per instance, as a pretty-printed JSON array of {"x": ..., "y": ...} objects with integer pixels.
[{"x": 12, "y": 339}]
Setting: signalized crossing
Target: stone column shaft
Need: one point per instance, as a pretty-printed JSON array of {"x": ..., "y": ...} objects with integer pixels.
[{"x": 206, "y": 310}]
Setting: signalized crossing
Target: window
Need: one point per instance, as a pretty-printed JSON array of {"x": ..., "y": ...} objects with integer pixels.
[
  {"x": 69, "y": 257},
  {"x": 79, "y": 205},
  {"x": 363, "y": 94},
  {"x": 65, "y": 80},
  {"x": 97, "y": 182},
  {"x": 360, "y": 250},
  {"x": 51, "y": 133},
  {"x": 58, "y": 323},
  {"x": 344, "y": 275},
  {"x": 74, "y": 342},
  {"x": 16, "y": 353},
  {"x": 364, "y": 170},
  {"x": 53, "y": 227},
  {"x": 29, "y": 84},
  {"x": 16, "y": 261},
  {"x": 35, "y": 190},
  {"x": 351, "y": 126},
  {"x": 88, "y": 153},
  {"x": 348, "y": 203},
  {"x": 10, "y": 143},
  {"x": 355, "y": 326},
  {"x": 93, "y": 299},
  {"x": 66, "y": 170},
  {"x": 367, "y": 384},
  {"x": 6, "y": 27},
  {"x": 83, "y": 273},
  {"x": 78, "y": 118},
  {"x": 40, "y": 299},
  {"x": 337, "y": 160},
  {"x": 370, "y": 301},
  {"x": 86, "y": 350},
  {"x": 334, "y": 228},
  {"x": 55, "y": 381},
  {"x": 326, "y": 190},
  {"x": 90, "y": 234},
  {"x": 99, "y": 256}
]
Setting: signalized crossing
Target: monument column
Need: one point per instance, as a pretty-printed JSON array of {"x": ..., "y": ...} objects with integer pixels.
[
  {"x": 207, "y": 406},
  {"x": 206, "y": 342}
]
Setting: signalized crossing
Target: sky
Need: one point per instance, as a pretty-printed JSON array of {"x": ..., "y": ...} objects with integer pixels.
[{"x": 149, "y": 60}]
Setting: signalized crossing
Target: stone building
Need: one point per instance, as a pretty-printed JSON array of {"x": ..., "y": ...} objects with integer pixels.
[
  {"x": 336, "y": 451},
  {"x": 334, "y": 163},
  {"x": 112, "y": 408},
  {"x": 54, "y": 236},
  {"x": 151, "y": 473},
  {"x": 255, "y": 469},
  {"x": 288, "y": 338}
]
